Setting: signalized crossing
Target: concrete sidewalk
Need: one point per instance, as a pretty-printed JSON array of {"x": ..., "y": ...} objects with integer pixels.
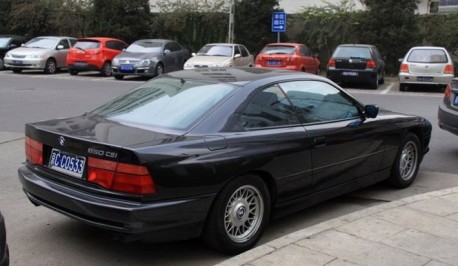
[{"x": 418, "y": 230}]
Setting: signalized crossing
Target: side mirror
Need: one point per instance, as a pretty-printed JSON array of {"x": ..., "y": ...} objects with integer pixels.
[
  {"x": 60, "y": 47},
  {"x": 371, "y": 111},
  {"x": 166, "y": 52},
  {"x": 237, "y": 56},
  {"x": 193, "y": 54}
]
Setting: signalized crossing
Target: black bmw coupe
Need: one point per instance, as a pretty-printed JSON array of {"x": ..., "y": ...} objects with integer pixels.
[{"x": 216, "y": 153}]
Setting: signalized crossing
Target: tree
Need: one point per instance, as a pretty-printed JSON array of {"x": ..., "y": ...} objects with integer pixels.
[
  {"x": 5, "y": 9},
  {"x": 253, "y": 23},
  {"x": 392, "y": 26},
  {"x": 125, "y": 19}
]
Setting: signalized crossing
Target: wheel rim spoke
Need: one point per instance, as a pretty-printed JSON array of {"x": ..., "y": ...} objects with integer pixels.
[{"x": 408, "y": 162}]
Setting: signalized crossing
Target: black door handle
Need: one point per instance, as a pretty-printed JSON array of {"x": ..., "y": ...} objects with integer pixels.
[{"x": 319, "y": 142}]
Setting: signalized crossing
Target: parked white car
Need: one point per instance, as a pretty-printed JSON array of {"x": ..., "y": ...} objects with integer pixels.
[
  {"x": 220, "y": 55},
  {"x": 426, "y": 65}
]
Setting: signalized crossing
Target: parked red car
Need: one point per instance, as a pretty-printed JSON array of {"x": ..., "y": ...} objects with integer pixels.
[
  {"x": 94, "y": 54},
  {"x": 292, "y": 56}
]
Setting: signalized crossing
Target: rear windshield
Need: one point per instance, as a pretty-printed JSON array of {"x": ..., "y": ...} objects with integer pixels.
[
  {"x": 165, "y": 102},
  {"x": 427, "y": 56},
  {"x": 352, "y": 52},
  {"x": 87, "y": 44},
  {"x": 145, "y": 47},
  {"x": 279, "y": 49},
  {"x": 4, "y": 42}
]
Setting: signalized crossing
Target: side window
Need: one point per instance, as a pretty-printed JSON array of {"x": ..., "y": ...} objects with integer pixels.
[
  {"x": 268, "y": 108},
  {"x": 64, "y": 43},
  {"x": 174, "y": 47},
  {"x": 318, "y": 101},
  {"x": 115, "y": 45},
  {"x": 305, "y": 51},
  {"x": 237, "y": 50},
  {"x": 73, "y": 42},
  {"x": 244, "y": 51}
]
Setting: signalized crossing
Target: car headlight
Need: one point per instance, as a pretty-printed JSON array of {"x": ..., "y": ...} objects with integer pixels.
[
  {"x": 115, "y": 61},
  {"x": 33, "y": 56},
  {"x": 145, "y": 62}
]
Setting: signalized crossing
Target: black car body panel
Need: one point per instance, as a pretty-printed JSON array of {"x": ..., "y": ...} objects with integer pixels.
[
  {"x": 448, "y": 109},
  {"x": 352, "y": 65},
  {"x": 4, "y": 252},
  {"x": 191, "y": 165}
]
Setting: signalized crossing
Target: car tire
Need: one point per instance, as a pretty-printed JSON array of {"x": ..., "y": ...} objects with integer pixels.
[
  {"x": 159, "y": 70},
  {"x": 106, "y": 69},
  {"x": 407, "y": 162},
  {"x": 50, "y": 67},
  {"x": 238, "y": 216},
  {"x": 402, "y": 87},
  {"x": 118, "y": 77},
  {"x": 382, "y": 80},
  {"x": 17, "y": 70},
  {"x": 73, "y": 72},
  {"x": 2, "y": 64}
]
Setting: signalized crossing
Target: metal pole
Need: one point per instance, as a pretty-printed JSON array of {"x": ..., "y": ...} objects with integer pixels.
[
  {"x": 230, "y": 35},
  {"x": 278, "y": 36}
]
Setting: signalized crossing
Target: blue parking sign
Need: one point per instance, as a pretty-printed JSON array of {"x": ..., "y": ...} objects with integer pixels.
[{"x": 278, "y": 22}]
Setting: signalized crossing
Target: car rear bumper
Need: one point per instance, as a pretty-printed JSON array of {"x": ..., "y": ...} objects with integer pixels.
[
  {"x": 407, "y": 78},
  {"x": 351, "y": 75},
  {"x": 448, "y": 119},
  {"x": 84, "y": 67},
  {"x": 287, "y": 67},
  {"x": 152, "y": 221}
]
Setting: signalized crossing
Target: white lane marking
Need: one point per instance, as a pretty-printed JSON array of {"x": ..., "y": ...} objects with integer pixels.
[{"x": 388, "y": 88}]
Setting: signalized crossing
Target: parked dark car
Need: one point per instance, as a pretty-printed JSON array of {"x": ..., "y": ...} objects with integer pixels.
[
  {"x": 9, "y": 42},
  {"x": 216, "y": 153},
  {"x": 4, "y": 253},
  {"x": 357, "y": 63},
  {"x": 94, "y": 54},
  {"x": 448, "y": 108},
  {"x": 149, "y": 58}
]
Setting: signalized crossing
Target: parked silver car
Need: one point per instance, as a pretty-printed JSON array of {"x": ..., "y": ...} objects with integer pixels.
[
  {"x": 48, "y": 53},
  {"x": 448, "y": 108},
  {"x": 221, "y": 55},
  {"x": 149, "y": 58},
  {"x": 426, "y": 65}
]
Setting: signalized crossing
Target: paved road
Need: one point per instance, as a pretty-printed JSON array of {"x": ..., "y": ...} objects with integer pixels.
[{"x": 38, "y": 236}]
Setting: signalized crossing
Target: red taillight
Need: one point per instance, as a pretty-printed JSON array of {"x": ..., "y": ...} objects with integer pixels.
[
  {"x": 371, "y": 64},
  {"x": 332, "y": 63},
  {"x": 120, "y": 177},
  {"x": 448, "y": 91},
  {"x": 33, "y": 151},
  {"x": 404, "y": 68},
  {"x": 448, "y": 69}
]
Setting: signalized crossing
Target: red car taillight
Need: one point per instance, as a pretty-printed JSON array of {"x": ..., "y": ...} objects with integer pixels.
[
  {"x": 332, "y": 63},
  {"x": 404, "y": 68},
  {"x": 120, "y": 177},
  {"x": 33, "y": 151},
  {"x": 448, "y": 69},
  {"x": 448, "y": 91},
  {"x": 371, "y": 64}
]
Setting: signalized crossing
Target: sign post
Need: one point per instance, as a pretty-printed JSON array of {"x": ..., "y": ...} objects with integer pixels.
[{"x": 278, "y": 23}]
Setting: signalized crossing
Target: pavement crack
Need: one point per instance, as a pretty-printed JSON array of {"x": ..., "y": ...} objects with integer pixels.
[{"x": 10, "y": 141}]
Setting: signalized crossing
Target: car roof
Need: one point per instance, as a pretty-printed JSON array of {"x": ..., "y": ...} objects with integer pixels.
[
  {"x": 222, "y": 43},
  {"x": 155, "y": 40},
  {"x": 237, "y": 75},
  {"x": 428, "y": 47},
  {"x": 356, "y": 45},
  {"x": 55, "y": 37},
  {"x": 284, "y": 43},
  {"x": 99, "y": 39}
]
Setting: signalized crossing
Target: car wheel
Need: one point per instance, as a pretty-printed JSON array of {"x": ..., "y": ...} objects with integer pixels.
[
  {"x": 106, "y": 69},
  {"x": 407, "y": 162},
  {"x": 2, "y": 65},
  {"x": 159, "y": 70},
  {"x": 73, "y": 72},
  {"x": 50, "y": 67},
  {"x": 374, "y": 83},
  {"x": 238, "y": 216},
  {"x": 382, "y": 80},
  {"x": 17, "y": 70},
  {"x": 118, "y": 77},
  {"x": 402, "y": 87}
]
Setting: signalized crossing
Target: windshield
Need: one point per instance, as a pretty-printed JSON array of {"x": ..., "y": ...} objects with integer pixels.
[
  {"x": 87, "y": 44},
  {"x": 145, "y": 47},
  {"x": 4, "y": 42},
  {"x": 278, "y": 49},
  {"x": 39, "y": 42},
  {"x": 165, "y": 102},
  {"x": 427, "y": 56},
  {"x": 352, "y": 52},
  {"x": 216, "y": 50}
]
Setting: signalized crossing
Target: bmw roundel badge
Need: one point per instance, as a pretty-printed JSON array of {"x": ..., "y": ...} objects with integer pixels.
[{"x": 62, "y": 141}]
